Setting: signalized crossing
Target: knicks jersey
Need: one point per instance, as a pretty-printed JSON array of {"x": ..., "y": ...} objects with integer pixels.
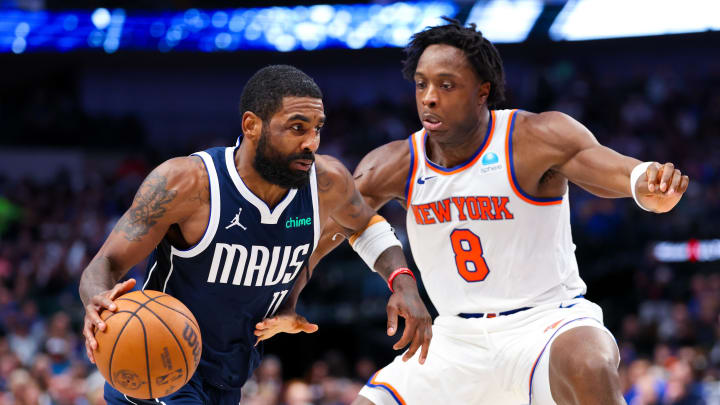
[
  {"x": 481, "y": 243},
  {"x": 241, "y": 270}
]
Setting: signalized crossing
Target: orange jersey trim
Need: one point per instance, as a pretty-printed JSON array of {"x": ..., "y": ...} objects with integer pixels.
[
  {"x": 472, "y": 160},
  {"x": 392, "y": 391},
  {"x": 511, "y": 171},
  {"x": 413, "y": 169}
]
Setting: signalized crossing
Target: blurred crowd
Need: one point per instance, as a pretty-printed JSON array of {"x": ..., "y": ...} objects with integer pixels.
[{"x": 664, "y": 315}]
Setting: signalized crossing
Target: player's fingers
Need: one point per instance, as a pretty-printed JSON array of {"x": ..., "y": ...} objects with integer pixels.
[
  {"x": 308, "y": 327},
  {"x": 261, "y": 325},
  {"x": 89, "y": 353},
  {"x": 427, "y": 337},
  {"x": 652, "y": 176},
  {"x": 392, "y": 319},
  {"x": 102, "y": 301},
  {"x": 667, "y": 172},
  {"x": 684, "y": 182},
  {"x": 91, "y": 313},
  {"x": 122, "y": 288},
  {"x": 675, "y": 181},
  {"x": 408, "y": 334},
  {"x": 414, "y": 346},
  {"x": 89, "y": 334}
]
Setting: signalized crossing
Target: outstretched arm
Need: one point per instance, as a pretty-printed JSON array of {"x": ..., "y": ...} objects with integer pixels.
[{"x": 578, "y": 156}]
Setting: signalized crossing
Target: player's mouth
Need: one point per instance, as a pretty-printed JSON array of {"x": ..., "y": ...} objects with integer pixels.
[
  {"x": 301, "y": 164},
  {"x": 431, "y": 122}
]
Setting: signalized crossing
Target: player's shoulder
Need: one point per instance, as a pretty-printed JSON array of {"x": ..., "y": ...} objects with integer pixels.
[
  {"x": 383, "y": 172},
  {"x": 387, "y": 156},
  {"x": 183, "y": 166},
  {"x": 552, "y": 127},
  {"x": 184, "y": 175},
  {"x": 332, "y": 175},
  {"x": 330, "y": 166}
]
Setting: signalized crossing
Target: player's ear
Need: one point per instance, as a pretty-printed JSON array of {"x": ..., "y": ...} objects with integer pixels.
[
  {"x": 483, "y": 92},
  {"x": 251, "y": 125}
]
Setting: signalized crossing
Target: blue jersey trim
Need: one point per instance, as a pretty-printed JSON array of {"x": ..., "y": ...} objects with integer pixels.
[
  {"x": 532, "y": 372},
  {"x": 467, "y": 162},
  {"x": 512, "y": 169},
  {"x": 410, "y": 170},
  {"x": 371, "y": 385}
]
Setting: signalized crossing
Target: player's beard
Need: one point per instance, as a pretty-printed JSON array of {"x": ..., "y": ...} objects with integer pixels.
[{"x": 275, "y": 168}]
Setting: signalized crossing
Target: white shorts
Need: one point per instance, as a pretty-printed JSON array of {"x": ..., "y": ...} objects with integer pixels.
[{"x": 500, "y": 361}]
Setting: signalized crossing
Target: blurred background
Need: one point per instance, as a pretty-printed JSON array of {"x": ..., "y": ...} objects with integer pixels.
[{"x": 93, "y": 96}]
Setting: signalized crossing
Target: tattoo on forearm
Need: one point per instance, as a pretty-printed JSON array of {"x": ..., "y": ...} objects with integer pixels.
[{"x": 149, "y": 205}]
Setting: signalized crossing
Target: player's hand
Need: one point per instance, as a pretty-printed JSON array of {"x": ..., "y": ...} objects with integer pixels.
[
  {"x": 662, "y": 188},
  {"x": 101, "y": 301},
  {"x": 406, "y": 302},
  {"x": 289, "y": 323}
]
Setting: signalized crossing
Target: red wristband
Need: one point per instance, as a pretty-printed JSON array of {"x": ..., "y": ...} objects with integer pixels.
[{"x": 397, "y": 272}]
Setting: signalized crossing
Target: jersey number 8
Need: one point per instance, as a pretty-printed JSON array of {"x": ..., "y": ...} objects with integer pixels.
[{"x": 469, "y": 258}]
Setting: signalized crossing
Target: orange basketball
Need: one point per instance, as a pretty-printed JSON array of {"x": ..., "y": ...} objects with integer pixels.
[{"x": 151, "y": 345}]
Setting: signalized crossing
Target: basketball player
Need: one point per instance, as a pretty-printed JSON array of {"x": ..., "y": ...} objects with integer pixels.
[
  {"x": 230, "y": 229},
  {"x": 486, "y": 193}
]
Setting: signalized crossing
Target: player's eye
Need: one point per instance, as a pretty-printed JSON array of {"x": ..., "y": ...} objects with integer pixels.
[
  {"x": 420, "y": 85},
  {"x": 447, "y": 85},
  {"x": 297, "y": 128}
]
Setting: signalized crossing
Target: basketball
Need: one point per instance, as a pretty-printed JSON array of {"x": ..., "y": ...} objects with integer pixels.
[{"x": 151, "y": 345}]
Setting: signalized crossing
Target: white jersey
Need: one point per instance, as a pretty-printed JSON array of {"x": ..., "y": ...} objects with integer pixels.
[{"x": 481, "y": 243}]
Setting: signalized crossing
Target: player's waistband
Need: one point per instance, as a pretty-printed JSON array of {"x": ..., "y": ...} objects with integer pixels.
[{"x": 509, "y": 312}]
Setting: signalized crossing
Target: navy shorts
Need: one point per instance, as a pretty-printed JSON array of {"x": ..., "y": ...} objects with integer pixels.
[{"x": 195, "y": 392}]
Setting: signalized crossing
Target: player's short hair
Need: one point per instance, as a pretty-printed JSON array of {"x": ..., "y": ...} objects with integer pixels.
[
  {"x": 263, "y": 93},
  {"x": 480, "y": 52}
]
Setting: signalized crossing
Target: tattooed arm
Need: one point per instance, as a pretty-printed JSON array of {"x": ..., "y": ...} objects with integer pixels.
[{"x": 176, "y": 192}]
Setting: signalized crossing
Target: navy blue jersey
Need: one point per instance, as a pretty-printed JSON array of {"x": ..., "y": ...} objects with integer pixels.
[{"x": 241, "y": 270}]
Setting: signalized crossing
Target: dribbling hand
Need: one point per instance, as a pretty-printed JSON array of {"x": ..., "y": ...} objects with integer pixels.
[
  {"x": 103, "y": 300},
  {"x": 287, "y": 323},
  {"x": 406, "y": 302},
  {"x": 663, "y": 187}
]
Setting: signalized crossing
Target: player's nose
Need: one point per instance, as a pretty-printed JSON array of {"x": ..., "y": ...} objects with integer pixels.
[
  {"x": 311, "y": 141},
  {"x": 429, "y": 97}
]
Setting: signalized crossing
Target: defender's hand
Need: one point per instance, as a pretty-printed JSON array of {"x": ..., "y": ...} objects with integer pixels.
[
  {"x": 101, "y": 301},
  {"x": 288, "y": 323},
  {"x": 662, "y": 188},
  {"x": 406, "y": 303}
]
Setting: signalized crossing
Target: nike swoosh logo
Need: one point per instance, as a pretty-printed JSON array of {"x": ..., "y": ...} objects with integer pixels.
[
  {"x": 567, "y": 306},
  {"x": 421, "y": 180}
]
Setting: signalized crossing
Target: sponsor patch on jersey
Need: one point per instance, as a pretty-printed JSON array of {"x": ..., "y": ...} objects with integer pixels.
[
  {"x": 298, "y": 222},
  {"x": 490, "y": 163}
]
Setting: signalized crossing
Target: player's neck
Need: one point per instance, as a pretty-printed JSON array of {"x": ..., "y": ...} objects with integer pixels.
[
  {"x": 458, "y": 148},
  {"x": 270, "y": 193}
]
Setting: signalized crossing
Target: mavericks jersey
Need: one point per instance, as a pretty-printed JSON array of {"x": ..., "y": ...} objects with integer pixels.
[
  {"x": 481, "y": 243},
  {"x": 241, "y": 270}
]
